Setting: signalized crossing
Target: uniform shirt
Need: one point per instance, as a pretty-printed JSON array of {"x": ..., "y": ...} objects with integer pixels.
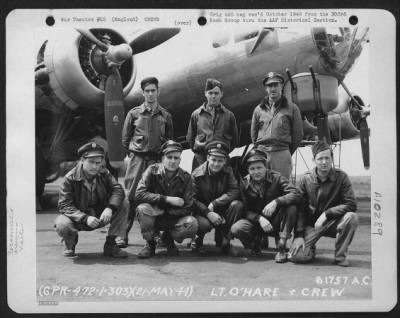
[
  {"x": 275, "y": 187},
  {"x": 145, "y": 130},
  {"x": 203, "y": 128},
  {"x": 92, "y": 198},
  {"x": 277, "y": 129},
  {"x": 334, "y": 196},
  {"x": 220, "y": 189},
  {"x": 154, "y": 186}
]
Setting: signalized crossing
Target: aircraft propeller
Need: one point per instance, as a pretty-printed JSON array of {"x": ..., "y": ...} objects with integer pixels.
[
  {"x": 114, "y": 111},
  {"x": 359, "y": 113}
]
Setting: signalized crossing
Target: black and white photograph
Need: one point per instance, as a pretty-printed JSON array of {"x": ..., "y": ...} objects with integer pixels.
[{"x": 201, "y": 160}]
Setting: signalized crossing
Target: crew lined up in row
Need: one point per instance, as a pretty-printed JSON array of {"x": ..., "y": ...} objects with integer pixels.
[{"x": 168, "y": 199}]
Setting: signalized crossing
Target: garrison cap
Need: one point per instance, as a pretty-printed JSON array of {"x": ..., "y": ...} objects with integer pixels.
[
  {"x": 273, "y": 77},
  {"x": 217, "y": 148},
  {"x": 319, "y": 146},
  {"x": 91, "y": 149},
  {"x": 170, "y": 146},
  {"x": 211, "y": 83},
  {"x": 255, "y": 155}
]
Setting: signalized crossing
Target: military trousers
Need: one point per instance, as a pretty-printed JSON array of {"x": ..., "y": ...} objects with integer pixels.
[
  {"x": 280, "y": 161},
  {"x": 68, "y": 229},
  {"x": 152, "y": 219},
  {"x": 342, "y": 230},
  {"x": 283, "y": 222},
  {"x": 137, "y": 164},
  {"x": 231, "y": 214}
]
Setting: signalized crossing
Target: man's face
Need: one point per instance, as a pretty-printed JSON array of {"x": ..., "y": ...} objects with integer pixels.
[
  {"x": 257, "y": 170},
  {"x": 214, "y": 96},
  {"x": 274, "y": 91},
  {"x": 216, "y": 163},
  {"x": 92, "y": 165},
  {"x": 171, "y": 161},
  {"x": 323, "y": 161},
  {"x": 150, "y": 93}
]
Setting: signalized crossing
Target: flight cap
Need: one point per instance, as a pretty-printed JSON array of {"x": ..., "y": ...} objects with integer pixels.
[
  {"x": 217, "y": 148},
  {"x": 90, "y": 150},
  {"x": 170, "y": 146},
  {"x": 273, "y": 77}
]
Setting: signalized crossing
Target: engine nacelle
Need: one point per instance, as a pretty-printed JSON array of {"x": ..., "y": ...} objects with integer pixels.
[
  {"x": 343, "y": 122},
  {"x": 305, "y": 92},
  {"x": 342, "y": 127},
  {"x": 71, "y": 60}
]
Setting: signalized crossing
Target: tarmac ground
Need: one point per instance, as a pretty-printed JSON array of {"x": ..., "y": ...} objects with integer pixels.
[{"x": 90, "y": 276}]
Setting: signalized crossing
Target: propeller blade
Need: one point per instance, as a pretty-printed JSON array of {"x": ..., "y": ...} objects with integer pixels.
[
  {"x": 148, "y": 39},
  {"x": 91, "y": 37},
  {"x": 114, "y": 113},
  {"x": 364, "y": 138}
]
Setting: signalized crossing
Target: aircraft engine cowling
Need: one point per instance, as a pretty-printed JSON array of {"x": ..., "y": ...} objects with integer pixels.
[
  {"x": 77, "y": 71},
  {"x": 341, "y": 126},
  {"x": 306, "y": 97},
  {"x": 344, "y": 121}
]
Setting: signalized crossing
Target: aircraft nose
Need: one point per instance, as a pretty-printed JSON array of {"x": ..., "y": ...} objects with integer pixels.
[{"x": 339, "y": 47}]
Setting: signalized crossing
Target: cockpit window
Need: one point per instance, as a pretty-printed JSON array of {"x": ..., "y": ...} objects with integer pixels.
[
  {"x": 246, "y": 35},
  {"x": 223, "y": 38},
  {"x": 220, "y": 39}
]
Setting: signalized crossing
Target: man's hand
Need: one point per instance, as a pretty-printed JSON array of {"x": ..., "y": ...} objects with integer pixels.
[
  {"x": 269, "y": 209},
  {"x": 92, "y": 222},
  {"x": 214, "y": 218},
  {"x": 265, "y": 224},
  {"x": 175, "y": 201},
  {"x": 211, "y": 207},
  {"x": 298, "y": 243},
  {"x": 320, "y": 222},
  {"x": 106, "y": 216}
]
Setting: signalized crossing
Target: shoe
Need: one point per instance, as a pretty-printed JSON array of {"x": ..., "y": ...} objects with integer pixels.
[
  {"x": 343, "y": 263},
  {"x": 121, "y": 242},
  {"x": 114, "y": 251},
  {"x": 162, "y": 240},
  {"x": 218, "y": 237},
  {"x": 252, "y": 252},
  {"x": 197, "y": 245},
  {"x": 148, "y": 250},
  {"x": 111, "y": 248},
  {"x": 256, "y": 249},
  {"x": 69, "y": 246},
  {"x": 225, "y": 246},
  {"x": 172, "y": 250},
  {"x": 255, "y": 252},
  {"x": 264, "y": 243},
  {"x": 313, "y": 252},
  {"x": 281, "y": 257}
]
